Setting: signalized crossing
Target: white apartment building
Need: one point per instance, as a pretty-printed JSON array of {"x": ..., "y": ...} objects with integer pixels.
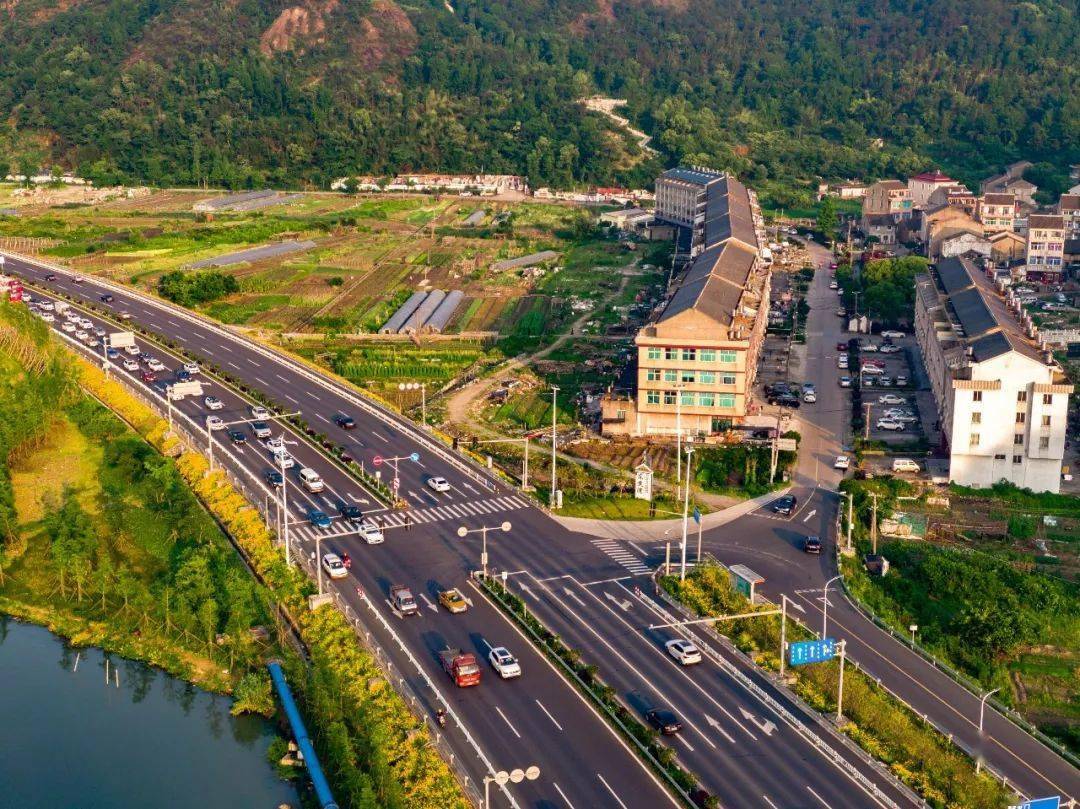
[
  {"x": 1002, "y": 398},
  {"x": 997, "y": 212},
  {"x": 1046, "y": 244}
]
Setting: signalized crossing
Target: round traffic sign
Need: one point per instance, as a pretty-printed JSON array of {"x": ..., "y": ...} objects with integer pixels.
[
  {"x": 517, "y": 775},
  {"x": 532, "y": 773},
  {"x": 506, "y": 525},
  {"x": 377, "y": 460},
  {"x": 501, "y": 777},
  {"x": 415, "y": 457},
  {"x": 462, "y": 531}
]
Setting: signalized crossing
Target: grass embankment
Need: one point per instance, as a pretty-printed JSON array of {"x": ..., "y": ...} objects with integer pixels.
[
  {"x": 130, "y": 561},
  {"x": 914, "y": 752}
]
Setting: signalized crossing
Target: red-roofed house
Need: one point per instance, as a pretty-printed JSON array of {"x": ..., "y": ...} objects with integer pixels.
[{"x": 925, "y": 184}]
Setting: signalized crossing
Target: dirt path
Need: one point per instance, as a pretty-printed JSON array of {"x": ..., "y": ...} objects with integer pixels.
[{"x": 607, "y": 107}]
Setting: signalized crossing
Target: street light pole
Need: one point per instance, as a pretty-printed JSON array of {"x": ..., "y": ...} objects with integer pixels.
[
  {"x": 840, "y": 688},
  {"x": 482, "y": 530},
  {"x": 685, "y": 513},
  {"x": 502, "y": 777},
  {"x": 982, "y": 707},
  {"x": 554, "y": 416},
  {"x": 825, "y": 608}
]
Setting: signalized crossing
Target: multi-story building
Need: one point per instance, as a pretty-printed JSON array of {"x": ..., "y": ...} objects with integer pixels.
[
  {"x": 1011, "y": 181},
  {"x": 1068, "y": 208},
  {"x": 681, "y": 195},
  {"x": 697, "y": 358},
  {"x": 922, "y": 186},
  {"x": 1045, "y": 245},
  {"x": 954, "y": 196},
  {"x": 890, "y": 197},
  {"x": 1001, "y": 397},
  {"x": 997, "y": 212}
]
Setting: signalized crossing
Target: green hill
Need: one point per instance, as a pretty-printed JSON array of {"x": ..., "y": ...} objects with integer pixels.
[{"x": 294, "y": 92}]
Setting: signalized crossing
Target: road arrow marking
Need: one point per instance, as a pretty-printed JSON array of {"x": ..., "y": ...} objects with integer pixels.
[
  {"x": 415, "y": 496},
  {"x": 528, "y": 590},
  {"x": 573, "y": 595},
  {"x": 623, "y": 605},
  {"x": 799, "y": 607},
  {"x": 716, "y": 726},
  {"x": 764, "y": 726},
  {"x": 428, "y": 602},
  {"x": 808, "y": 516}
]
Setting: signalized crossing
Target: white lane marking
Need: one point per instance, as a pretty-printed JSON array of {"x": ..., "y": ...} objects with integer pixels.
[
  {"x": 507, "y": 721},
  {"x": 313, "y": 396},
  {"x": 612, "y": 791},
  {"x": 548, "y": 713},
  {"x": 321, "y": 416},
  {"x": 262, "y": 382},
  {"x": 682, "y": 739},
  {"x": 562, "y": 794},
  {"x": 474, "y": 491},
  {"x": 769, "y": 801},
  {"x": 823, "y": 802},
  {"x": 283, "y": 379},
  {"x": 179, "y": 337},
  {"x": 381, "y": 436},
  {"x": 718, "y": 728},
  {"x": 249, "y": 359},
  {"x": 234, "y": 365},
  {"x": 291, "y": 399},
  {"x": 571, "y": 594},
  {"x": 427, "y": 601}
]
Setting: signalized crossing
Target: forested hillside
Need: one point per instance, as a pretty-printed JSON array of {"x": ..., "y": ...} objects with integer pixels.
[{"x": 286, "y": 92}]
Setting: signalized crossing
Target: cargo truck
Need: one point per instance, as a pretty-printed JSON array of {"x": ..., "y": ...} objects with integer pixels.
[
  {"x": 401, "y": 598},
  {"x": 461, "y": 666}
]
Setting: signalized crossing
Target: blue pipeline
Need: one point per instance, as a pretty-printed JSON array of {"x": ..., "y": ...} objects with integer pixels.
[{"x": 318, "y": 780}]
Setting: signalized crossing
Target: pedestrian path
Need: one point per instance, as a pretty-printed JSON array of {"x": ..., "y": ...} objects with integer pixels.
[{"x": 618, "y": 551}]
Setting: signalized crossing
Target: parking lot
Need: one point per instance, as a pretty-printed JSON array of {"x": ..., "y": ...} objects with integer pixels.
[{"x": 901, "y": 406}]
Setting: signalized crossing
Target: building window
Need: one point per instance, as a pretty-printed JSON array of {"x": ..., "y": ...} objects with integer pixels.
[
  {"x": 669, "y": 397},
  {"x": 727, "y": 379},
  {"x": 725, "y": 400},
  {"x": 1021, "y": 418},
  {"x": 1046, "y": 421},
  {"x": 707, "y": 355},
  {"x": 689, "y": 377},
  {"x": 1018, "y": 439},
  {"x": 1048, "y": 398},
  {"x": 689, "y": 354},
  {"x": 687, "y": 398},
  {"x": 727, "y": 356},
  {"x": 653, "y": 397},
  {"x": 671, "y": 353},
  {"x": 1018, "y": 458},
  {"x": 706, "y": 399},
  {"x": 1021, "y": 396},
  {"x": 1044, "y": 442},
  {"x": 976, "y": 418},
  {"x": 654, "y": 353},
  {"x": 976, "y": 396},
  {"x": 652, "y": 374},
  {"x": 1000, "y": 457},
  {"x": 670, "y": 375},
  {"x": 707, "y": 377},
  {"x": 974, "y": 440}
]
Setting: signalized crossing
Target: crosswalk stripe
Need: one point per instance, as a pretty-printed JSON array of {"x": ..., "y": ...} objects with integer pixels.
[
  {"x": 457, "y": 511},
  {"x": 420, "y": 516},
  {"x": 485, "y": 507},
  {"x": 471, "y": 508}
]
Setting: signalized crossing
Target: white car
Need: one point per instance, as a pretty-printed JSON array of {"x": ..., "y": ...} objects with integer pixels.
[
  {"x": 46, "y": 306},
  {"x": 683, "y": 651},
  {"x": 833, "y": 285},
  {"x": 93, "y": 342},
  {"x": 905, "y": 465},
  {"x": 191, "y": 367},
  {"x": 889, "y": 424},
  {"x": 504, "y": 663},
  {"x": 893, "y": 335},
  {"x": 72, "y": 315},
  {"x": 310, "y": 480},
  {"x": 214, "y": 423},
  {"x": 283, "y": 460},
  {"x": 132, "y": 350},
  {"x": 261, "y": 429},
  {"x": 845, "y": 381},
  {"x": 47, "y": 317},
  {"x": 86, "y": 323},
  {"x": 371, "y": 533},
  {"x": 842, "y": 362},
  {"x": 81, "y": 335},
  {"x": 872, "y": 347},
  {"x": 276, "y": 444},
  {"x": 154, "y": 364},
  {"x": 438, "y": 484},
  {"x": 259, "y": 412},
  {"x": 333, "y": 566},
  {"x": 213, "y": 403},
  {"x": 842, "y": 462},
  {"x": 872, "y": 370},
  {"x": 69, "y": 327},
  {"x": 891, "y": 399},
  {"x": 130, "y": 364},
  {"x": 890, "y": 348}
]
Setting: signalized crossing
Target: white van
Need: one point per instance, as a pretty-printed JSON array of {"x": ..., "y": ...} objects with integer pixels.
[
  {"x": 905, "y": 465},
  {"x": 310, "y": 480}
]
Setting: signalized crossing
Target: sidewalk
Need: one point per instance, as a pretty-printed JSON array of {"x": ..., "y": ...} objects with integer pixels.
[{"x": 645, "y": 530}]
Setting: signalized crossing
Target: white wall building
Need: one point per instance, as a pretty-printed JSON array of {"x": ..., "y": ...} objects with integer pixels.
[{"x": 1002, "y": 398}]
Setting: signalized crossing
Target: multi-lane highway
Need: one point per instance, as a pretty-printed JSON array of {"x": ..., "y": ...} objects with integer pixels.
[{"x": 748, "y": 743}]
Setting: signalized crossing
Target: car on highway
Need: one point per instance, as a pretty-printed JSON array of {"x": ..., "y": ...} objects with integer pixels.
[
  {"x": 845, "y": 381},
  {"x": 344, "y": 422},
  {"x": 191, "y": 367},
  {"x": 504, "y": 663},
  {"x": 311, "y": 480},
  {"x": 213, "y": 423},
  {"x": 891, "y": 399},
  {"x": 438, "y": 484},
  {"x": 842, "y": 462},
  {"x": 112, "y": 353},
  {"x": 260, "y": 429},
  {"x": 86, "y": 323},
  {"x": 213, "y": 403},
  {"x": 890, "y": 348},
  {"x": 130, "y": 364},
  {"x": 47, "y": 317},
  {"x": 148, "y": 377},
  {"x": 69, "y": 327},
  {"x": 318, "y": 518},
  {"x": 812, "y": 545},
  {"x": 333, "y": 566},
  {"x": 371, "y": 533},
  {"x": 99, "y": 332},
  {"x": 350, "y": 513},
  {"x": 785, "y": 505},
  {"x": 182, "y": 375},
  {"x": 663, "y": 720},
  {"x": 107, "y": 298},
  {"x": 893, "y": 335},
  {"x": 890, "y": 424},
  {"x": 50, "y": 276},
  {"x": 81, "y": 335},
  {"x": 453, "y": 600},
  {"x": 280, "y": 456},
  {"x": 154, "y": 364},
  {"x": 259, "y": 412},
  {"x": 841, "y": 346},
  {"x": 274, "y": 478},
  {"x": 684, "y": 651},
  {"x": 78, "y": 279},
  {"x": 92, "y": 342},
  {"x": 237, "y": 437},
  {"x": 132, "y": 350}
]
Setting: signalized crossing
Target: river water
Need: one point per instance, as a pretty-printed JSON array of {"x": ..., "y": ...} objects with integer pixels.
[{"x": 68, "y": 741}]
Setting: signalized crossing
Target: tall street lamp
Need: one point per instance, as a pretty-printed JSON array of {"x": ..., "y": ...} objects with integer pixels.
[
  {"x": 422, "y": 386},
  {"x": 554, "y": 417},
  {"x": 483, "y": 531},
  {"x": 686, "y": 508},
  {"x": 825, "y": 607},
  {"x": 982, "y": 707}
]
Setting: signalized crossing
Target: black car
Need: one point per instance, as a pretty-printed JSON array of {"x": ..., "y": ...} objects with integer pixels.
[
  {"x": 664, "y": 721},
  {"x": 237, "y": 437},
  {"x": 50, "y": 276},
  {"x": 107, "y": 298},
  {"x": 785, "y": 505},
  {"x": 351, "y": 513},
  {"x": 182, "y": 376},
  {"x": 812, "y": 545},
  {"x": 274, "y": 478},
  {"x": 785, "y": 400},
  {"x": 344, "y": 422}
]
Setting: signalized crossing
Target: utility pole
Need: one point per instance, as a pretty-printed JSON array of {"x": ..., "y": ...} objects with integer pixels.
[
  {"x": 678, "y": 441},
  {"x": 554, "y": 416},
  {"x": 775, "y": 455},
  {"x": 783, "y": 631},
  {"x": 873, "y": 525},
  {"x": 686, "y": 509},
  {"x": 866, "y": 432},
  {"x": 840, "y": 688},
  {"x": 850, "y": 516}
]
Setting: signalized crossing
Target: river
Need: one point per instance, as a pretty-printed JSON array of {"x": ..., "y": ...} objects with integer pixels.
[{"x": 68, "y": 740}]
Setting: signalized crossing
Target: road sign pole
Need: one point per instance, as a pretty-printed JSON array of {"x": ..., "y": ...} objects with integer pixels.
[
  {"x": 318, "y": 559},
  {"x": 700, "y": 525},
  {"x": 783, "y": 630},
  {"x": 525, "y": 473},
  {"x": 840, "y": 689},
  {"x": 554, "y": 417},
  {"x": 210, "y": 447},
  {"x": 285, "y": 507},
  {"x": 685, "y": 513},
  {"x": 850, "y": 516}
]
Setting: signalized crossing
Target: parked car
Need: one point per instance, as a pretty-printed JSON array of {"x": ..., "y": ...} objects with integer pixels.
[
  {"x": 333, "y": 566},
  {"x": 842, "y": 462},
  {"x": 664, "y": 721},
  {"x": 890, "y": 348},
  {"x": 841, "y": 346},
  {"x": 889, "y": 424},
  {"x": 871, "y": 347},
  {"x": 812, "y": 545},
  {"x": 684, "y": 651},
  {"x": 901, "y": 380},
  {"x": 891, "y": 399},
  {"x": 845, "y": 381},
  {"x": 810, "y": 397},
  {"x": 785, "y": 505},
  {"x": 893, "y": 335},
  {"x": 905, "y": 465}
]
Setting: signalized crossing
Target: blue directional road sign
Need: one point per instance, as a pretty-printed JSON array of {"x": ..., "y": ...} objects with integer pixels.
[
  {"x": 811, "y": 651},
  {"x": 697, "y": 515},
  {"x": 415, "y": 457},
  {"x": 1041, "y": 803}
]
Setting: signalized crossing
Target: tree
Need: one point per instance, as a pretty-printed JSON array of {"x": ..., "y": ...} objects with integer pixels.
[{"x": 826, "y": 219}]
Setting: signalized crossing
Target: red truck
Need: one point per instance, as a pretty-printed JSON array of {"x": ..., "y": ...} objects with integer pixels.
[{"x": 461, "y": 666}]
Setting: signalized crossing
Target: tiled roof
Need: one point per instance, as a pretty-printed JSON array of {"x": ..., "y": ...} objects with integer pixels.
[
  {"x": 695, "y": 176},
  {"x": 999, "y": 199},
  {"x": 895, "y": 185},
  {"x": 934, "y": 177},
  {"x": 1070, "y": 202},
  {"x": 728, "y": 214},
  {"x": 1045, "y": 221},
  {"x": 714, "y": 283}
]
